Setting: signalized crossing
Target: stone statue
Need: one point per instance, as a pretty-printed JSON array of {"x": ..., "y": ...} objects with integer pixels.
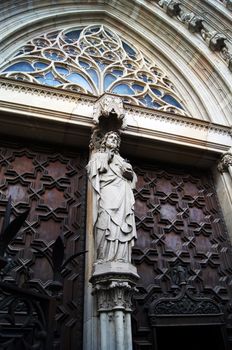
[{"x": 112, "y": 179}]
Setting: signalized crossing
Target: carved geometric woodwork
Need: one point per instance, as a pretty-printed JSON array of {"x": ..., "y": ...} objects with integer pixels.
[
  {"x": 53, "y": 186},
  {"x": 26, "y": 319},
  {"x": 182, "y": 239}
]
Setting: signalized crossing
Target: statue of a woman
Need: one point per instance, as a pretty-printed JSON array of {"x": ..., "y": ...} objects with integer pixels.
[{"x": 112, "y": 179}]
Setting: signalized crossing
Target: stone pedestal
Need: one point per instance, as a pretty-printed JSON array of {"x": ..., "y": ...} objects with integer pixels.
[{"x": 113, "y": 287}]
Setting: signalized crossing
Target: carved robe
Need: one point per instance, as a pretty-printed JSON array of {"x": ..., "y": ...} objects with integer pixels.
[{"x": 113, "y": 207}]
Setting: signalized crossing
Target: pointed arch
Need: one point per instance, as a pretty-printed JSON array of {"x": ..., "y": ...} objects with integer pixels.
[
  {"x": 200, "y": 79},
  {"x": 94, "y": 60}
]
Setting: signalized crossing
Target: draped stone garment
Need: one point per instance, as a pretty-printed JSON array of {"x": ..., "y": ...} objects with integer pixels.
[{"x": 113, "y": 207}]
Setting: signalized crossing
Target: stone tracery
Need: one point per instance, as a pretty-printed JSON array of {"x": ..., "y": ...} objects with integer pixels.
[{"x": 94, "y": 60}]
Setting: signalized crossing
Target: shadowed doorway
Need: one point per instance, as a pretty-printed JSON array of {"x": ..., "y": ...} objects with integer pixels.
[{"x": 190, "y": 337}]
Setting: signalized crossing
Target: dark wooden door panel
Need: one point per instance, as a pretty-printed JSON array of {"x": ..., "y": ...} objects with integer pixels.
[
  {"x": 180, "y": 228},
  {"x": 53, "y": 185}
]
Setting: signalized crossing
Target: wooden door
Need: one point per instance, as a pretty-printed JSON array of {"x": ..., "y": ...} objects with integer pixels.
[
  {"x": 179, "y": 226},
  {"x": 52, "y": 184}
]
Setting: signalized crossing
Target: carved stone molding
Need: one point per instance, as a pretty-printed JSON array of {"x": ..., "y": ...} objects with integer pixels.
[
  {"x": 72, "y": 114},
  {"x": 185, "y": 304},
  {"x": 225, "y": 162},
  {"x": 227, "y": 3},
  {"x": 196, "y": 24},
  {"x": 171, "y": 7}
]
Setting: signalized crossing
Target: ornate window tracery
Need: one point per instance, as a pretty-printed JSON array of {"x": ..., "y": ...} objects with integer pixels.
[{"x": 94, "y": 60}]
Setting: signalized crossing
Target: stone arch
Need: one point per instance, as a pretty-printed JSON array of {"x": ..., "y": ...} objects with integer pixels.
[{"x": 203, "y": 85}]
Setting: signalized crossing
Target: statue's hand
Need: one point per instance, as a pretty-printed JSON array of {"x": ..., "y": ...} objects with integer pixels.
[{"x": 127, "y": 171}]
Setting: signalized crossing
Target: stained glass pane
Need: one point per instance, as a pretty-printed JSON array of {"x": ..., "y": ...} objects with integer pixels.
[
  {"x": 138, "y": 87},
  {"x": 84, "y": 64},
  {"x": 62, "y": 70},
  {"x": 80, "y": 80},
  {"x": 123, "y": 89},
  {"x": 171, "y": 100},
  {"x": 48, "y": 79},
  {"x": 149, "y": 102},
  {"x": 54, "y": 55},
  {"x": 131, "y": 53},
  {"x": 109, "y": 79},
  {"x": 72, "y": 36},
  {"x": 94, "y": 76},
  {"x": 40, "y": 65},
  {"x": 20, "y": 67},
  {"x": 117, "y": 72},
  {"x": 156, "y": 91}
]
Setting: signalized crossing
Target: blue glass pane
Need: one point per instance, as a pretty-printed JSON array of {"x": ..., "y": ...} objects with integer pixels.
[
  {"x": 172, "y": 101},
  {"x": 156, "y": 91},
  {"x": 131, "y": 53},
  {"x": 51, "y": 80},
  {"x": 117, "y": 72},
  {"x": 24, "y": 49},
  {"x": 20, "y": 67},
  {"x": 148, "y": 101},
  {"x": 145, "y": 78},
  {"x": 40, "y": 65},
  {"x": 48, "y": 79},
  {"x": 123, "y": 89},
  {"x": 100, "y": 64},
  {"x": 108, "y": 33},
  {"x": 55, "y": 56},
  {"x": 83, "y": 64},
  {"x": 93, "y": 75},
  {"x": 52, "y": 35},
  {"x": 156, "y": 105},
  {"x": 95, "y": 30},
  {"x": 109, "y": 79},
  {"x": 80, "y": 80},
  {"x": 92, "y": 30},
  {"x": 72, "y": 36},
  {"x": 137, "y": 87},
  {"x": 62, "y": 70}
]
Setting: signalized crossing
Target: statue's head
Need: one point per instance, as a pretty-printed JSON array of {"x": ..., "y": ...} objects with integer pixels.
[{"x": 111, "y": 141}]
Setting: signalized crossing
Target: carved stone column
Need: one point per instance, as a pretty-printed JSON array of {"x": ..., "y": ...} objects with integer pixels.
[
  {"x": 223, "y": 184},
  {"x": 111, "y": 227},
  {"x": 113, "y": 292}
]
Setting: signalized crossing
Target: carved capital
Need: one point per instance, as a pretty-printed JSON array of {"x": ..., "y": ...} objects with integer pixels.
[
  {"x": 225, "y": 162},
  {"x": 114, "y": 293}
]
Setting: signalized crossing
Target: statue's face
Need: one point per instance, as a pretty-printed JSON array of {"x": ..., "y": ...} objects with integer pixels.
[{"x": 112, "y": 141}]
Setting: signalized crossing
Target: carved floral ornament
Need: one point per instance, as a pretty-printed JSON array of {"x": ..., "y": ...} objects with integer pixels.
[
  {"x": 185, "y": 303},
  {"x": 114, "y": 294},
  {"x": 94, "y": 60}
]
